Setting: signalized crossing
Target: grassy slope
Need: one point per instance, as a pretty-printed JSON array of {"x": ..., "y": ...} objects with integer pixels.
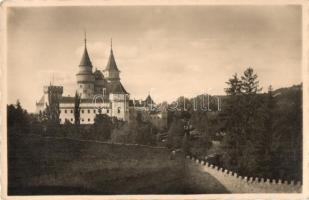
[{"x": 61, "y": 166}]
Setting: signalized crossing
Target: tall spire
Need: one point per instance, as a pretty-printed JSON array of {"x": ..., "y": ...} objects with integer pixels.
[
  {"x": 111, "y": 44},
  {"x": 85, "y": 59},
  {"x": 111, "y": 64},
  {"x": 85, "y": 38}
]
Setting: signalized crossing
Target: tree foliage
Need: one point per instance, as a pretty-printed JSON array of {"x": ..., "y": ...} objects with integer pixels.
[
  {"x": 102, "y": 127},
  {"x": 18, "y": 119},
  {"x": 260, "y": 136},
  {"x": 77, "y": 109},
  {"x": 137, "y": 131}
]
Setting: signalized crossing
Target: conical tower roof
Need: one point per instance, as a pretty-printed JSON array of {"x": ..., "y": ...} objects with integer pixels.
[
  {"x": 85, "y": 61},
  {"x": 111, "y": 64},
  {"x": 117, "y": 88}
]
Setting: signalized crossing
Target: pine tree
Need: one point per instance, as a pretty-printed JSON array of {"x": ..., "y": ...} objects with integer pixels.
[
  {"x": 243, "y": 122},
  {"x": 235, "y": 86},
  {"x": 232, "y": 118},
  {"x": 250, "y": 84},
  {"x": 77, "y": 109},
  {"x": 252, "y": 121}
]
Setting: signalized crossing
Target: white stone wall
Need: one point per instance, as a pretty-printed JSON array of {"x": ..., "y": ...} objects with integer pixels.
[
  {"x": 88, "y": 112},
  {"x": 238, "y": 184},
  {"x": 120, "y": 106}
]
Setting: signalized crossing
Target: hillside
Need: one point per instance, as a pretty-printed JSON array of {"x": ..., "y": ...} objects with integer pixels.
[{"x": 40, "y": 165}]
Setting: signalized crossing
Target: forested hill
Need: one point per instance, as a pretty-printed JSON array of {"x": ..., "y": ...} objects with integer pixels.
[{"x": 285, "y": 96}]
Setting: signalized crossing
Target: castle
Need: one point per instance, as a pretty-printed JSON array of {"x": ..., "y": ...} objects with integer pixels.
[{"x": 101, "y": 92}]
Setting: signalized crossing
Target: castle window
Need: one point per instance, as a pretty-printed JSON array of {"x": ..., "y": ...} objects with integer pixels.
[
  {"x": 71, "y": 111},
  {"x": 82, "y": 111},
  {"x": 65, "y": 111},
  {"x": 88, "y": 120},
  {"x": 94, "y": 111},
  {"x": 82, "y": 119},
  {"x": 88, "y": 111},
  {"x": 118, "y": 110},
  {"x": 107, "y": 111},
  {"x": 71, "y": 119},
  {"x": 59, "y": 111}
]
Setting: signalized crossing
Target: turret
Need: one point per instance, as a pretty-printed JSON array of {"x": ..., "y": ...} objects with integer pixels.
[
  {"x": 85, "y": 77},
  {"x": 111, "y": 71}
]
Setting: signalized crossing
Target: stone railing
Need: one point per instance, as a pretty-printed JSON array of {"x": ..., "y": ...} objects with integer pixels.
[{"x": 240, "y": 184}]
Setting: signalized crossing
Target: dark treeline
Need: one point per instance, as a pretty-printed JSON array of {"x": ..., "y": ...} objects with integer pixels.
[{"x": 105, "y": 128}]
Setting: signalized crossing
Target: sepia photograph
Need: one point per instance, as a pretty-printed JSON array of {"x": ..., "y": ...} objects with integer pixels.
[{"x": 153, "y": 99}]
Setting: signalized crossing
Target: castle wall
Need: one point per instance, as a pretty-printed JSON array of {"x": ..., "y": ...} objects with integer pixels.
[
  {"x": 200, "y": 170},
  {"x": 88, "y": 112},
  {"x": 120, "y": 106}
]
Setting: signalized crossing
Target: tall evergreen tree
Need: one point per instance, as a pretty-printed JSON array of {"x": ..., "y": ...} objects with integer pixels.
[
  {"x": 250, "y": 83},
  {"x": 232, "y": 118},
  {"x": 77, "y": 109},
  {"x": 243, "y": 122},
  {"x": 252, "y": 121}
]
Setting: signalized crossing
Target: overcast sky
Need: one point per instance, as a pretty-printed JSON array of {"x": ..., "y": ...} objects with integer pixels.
[{"x": 169, "y": 51}]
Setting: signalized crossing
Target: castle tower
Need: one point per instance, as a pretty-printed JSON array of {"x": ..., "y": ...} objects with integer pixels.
[
  {"x": 111, "y": 72},
  {"x": 85, "y": 77},
  {"x": 118, "y": 95},
  {"x": 48, "y": 90}
]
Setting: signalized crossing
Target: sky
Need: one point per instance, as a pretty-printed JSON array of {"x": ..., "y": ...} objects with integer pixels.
[{"x": 167, "y": 51}]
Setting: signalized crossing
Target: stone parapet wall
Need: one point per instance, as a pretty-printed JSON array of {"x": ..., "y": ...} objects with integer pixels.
[{"x": 240, "y": 184}]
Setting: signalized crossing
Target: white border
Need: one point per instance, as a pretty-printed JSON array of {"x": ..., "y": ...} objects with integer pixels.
[{"x": 42, "y": 3}]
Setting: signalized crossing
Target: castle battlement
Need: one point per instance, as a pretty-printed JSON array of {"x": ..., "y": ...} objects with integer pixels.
[{"x": 243, "y": 184}]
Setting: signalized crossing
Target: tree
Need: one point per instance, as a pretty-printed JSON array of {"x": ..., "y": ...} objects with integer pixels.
[
  {"x": 77, "y": 109},
  {"x": 176, "y": 133},
  {"x": 267, "y": 139},
  {"x": 18, "y": 119},
  {"x": 244, "y": 123},
  {"x": 235, "y": 86},
  {"x": 231, "y": 115},
  {"x": 136, "y": 131},
  {"x": 102, "y": 127},
  {"x": 250, "y": 84}
]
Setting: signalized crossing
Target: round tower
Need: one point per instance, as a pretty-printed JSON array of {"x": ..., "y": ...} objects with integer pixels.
[{"x": 85, "y": 77}]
